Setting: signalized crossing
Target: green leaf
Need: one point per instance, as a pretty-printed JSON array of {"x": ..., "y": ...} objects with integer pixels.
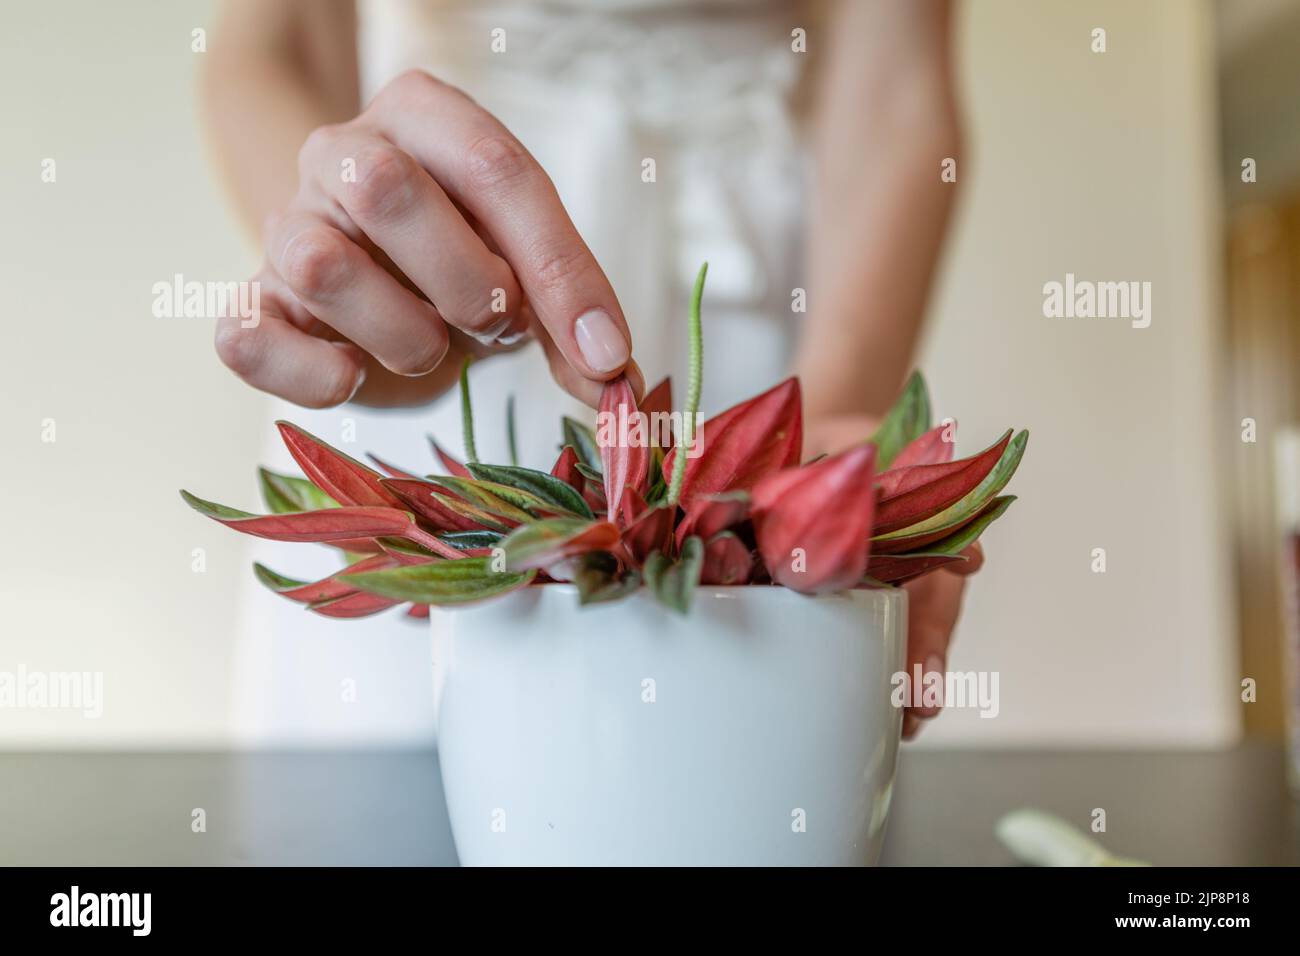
[
  {"x": 285, "y": 493},
  {"x": 441, "y": 582},
  {"x": 212, "y": 509},
  {"x": 469, "y": 540},
  {"x": 500, "y": 500},
  {"x": 908, "y": 420},
  {"x": 968, "y": 535},
  {"x": 538, "y": 484},
  {"x": 583, "y": 440},
  {"x": 591, "y": 474},
  {"x": 546, "y": 542},
  {"x": 954, "y": 515},
  {"x": 597, "y": 580},
  {"x": 674, "y": 582},
  {"x": 274, "y": 580}
]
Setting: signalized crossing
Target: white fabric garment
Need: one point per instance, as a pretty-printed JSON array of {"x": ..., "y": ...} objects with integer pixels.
[{"x": 593, "y": 89}]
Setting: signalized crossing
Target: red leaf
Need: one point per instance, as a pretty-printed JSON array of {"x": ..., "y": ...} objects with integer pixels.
[
  {"x": 710, "y": 514},
  {"x": 451, "y": 464},
  {"x": 659, "y": 402},
  {"x": 327, "y": 525},
  {"x": 645, "y": 530},
  {"x": 917, "y": 542},
  {"x": 359, "y": 604},
  {"x": 814, "y": 531},
  {"x": 391, "y": 470},
  {"x": 418, "y": 611},
  {"x": 344, "y": 479},
  {"x": 418, "y": 495},
  {"x": 923, "y": 490},
  {"x": 566, "y": 469},
  {"x": 744, "y": 444},
  {"x": 622, "y": 434},
  {"x": 726, "y": 561},
  {"x": 331, "y": 588},
  {"x": 929, "y": 449}
]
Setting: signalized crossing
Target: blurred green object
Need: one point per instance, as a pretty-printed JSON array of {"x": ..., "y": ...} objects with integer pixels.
[{"x": 1040, "y": 839}]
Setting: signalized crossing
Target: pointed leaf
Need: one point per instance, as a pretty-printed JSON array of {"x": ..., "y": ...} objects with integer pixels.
[
  {"x": 904, "y": 423},
  {"x": 546, "y": 488},
  {"x": 971, "y": 504},
  {"x": 425, "y": 499},
  {"x": 330, "y": 524},
  {"x": 744, "y": 444},
  {"x": 472, "y": 540},
  {"x": 356, "y": 604},
  {"x": 454, "y": 467},
  {"x": 813, "y": 524},
  {"x": 544, "y": 543},
  {"x": 344, "y": 479},
  {"x": 922, "y": 541},
  {"x": 499, "y": 500},
  {"x": 726, "y": 561},
  {"x": 710, "y": 514},
  {"x": 932, "y": 488},
  {"x": 674, "y": 582},
  {"x": 932, "y": 448},
  {"x": 624, "y": 442},
  {"x": 391, "y": 470},
  {"x": 284, "y": 493},
  {"x": 326, "y": 589},
  {"x": 583, "y": 441},
  {"x": 566, "y": 468},
  {"x": 659, "y": 402},
  {"x": 442, "y": 582},
  {"x": 597, "y": 578}
]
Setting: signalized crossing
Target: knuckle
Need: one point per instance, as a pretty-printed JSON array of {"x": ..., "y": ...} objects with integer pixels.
[
  {"x": 498, "y": 161},
  {"x": 559, "y": 264},
  {"x": 318, "y": 144},
  {"x": 315, "y": 263},
  {"x": 406, "y": 88},
  {"x": 386, "y": 182},
  {"x": 486, "y": 308},
  {"x": 239, "y": 349}
]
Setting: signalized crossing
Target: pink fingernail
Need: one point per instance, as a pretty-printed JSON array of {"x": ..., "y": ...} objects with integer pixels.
[{"x": 601, "y": 343}]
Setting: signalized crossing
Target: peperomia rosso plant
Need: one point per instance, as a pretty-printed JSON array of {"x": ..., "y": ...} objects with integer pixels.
[{"x": 645, "y": 498}]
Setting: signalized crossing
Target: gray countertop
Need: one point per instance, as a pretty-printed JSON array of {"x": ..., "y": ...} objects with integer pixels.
[{"x": 376, "y": 808}]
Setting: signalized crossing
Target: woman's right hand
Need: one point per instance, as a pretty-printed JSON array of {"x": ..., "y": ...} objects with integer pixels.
[{"x": 422, "y": 231}]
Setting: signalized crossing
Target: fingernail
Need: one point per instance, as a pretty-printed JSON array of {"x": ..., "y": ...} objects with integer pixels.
[
  {"x": 601, "y": 343},
  {"x": 488, "y": 336},
  {"x": 514, "y": 332}
]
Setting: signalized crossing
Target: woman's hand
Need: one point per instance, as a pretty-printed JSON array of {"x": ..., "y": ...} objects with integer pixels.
[
  {"x": 422, "y": 231},
  {"x": 934, "y": 601}
]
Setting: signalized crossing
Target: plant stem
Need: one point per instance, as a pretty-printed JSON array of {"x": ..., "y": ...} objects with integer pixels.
[
  {"x": 467, "y": 412},
  {"x": 692, "y": 389},
  {"x": 510, "y": 430}
]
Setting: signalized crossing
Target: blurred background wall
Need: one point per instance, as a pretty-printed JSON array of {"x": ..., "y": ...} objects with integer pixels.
[{"x": 1106, "y": 165}]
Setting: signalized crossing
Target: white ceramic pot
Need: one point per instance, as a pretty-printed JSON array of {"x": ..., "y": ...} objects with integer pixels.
[{"x": 756, "y": 731}]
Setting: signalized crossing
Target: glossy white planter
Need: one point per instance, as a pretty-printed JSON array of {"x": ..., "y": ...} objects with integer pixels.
[{"x": 758, "y": 730}]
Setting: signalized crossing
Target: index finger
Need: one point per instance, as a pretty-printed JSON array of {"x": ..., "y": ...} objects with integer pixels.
[{"x": 490, "y": 173}]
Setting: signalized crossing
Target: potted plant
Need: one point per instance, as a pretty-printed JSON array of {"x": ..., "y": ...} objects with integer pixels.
[{"x": 677, "y": 644}]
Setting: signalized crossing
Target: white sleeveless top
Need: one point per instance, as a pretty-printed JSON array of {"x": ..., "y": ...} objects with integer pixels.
[{"x": 594, "y": 89}]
